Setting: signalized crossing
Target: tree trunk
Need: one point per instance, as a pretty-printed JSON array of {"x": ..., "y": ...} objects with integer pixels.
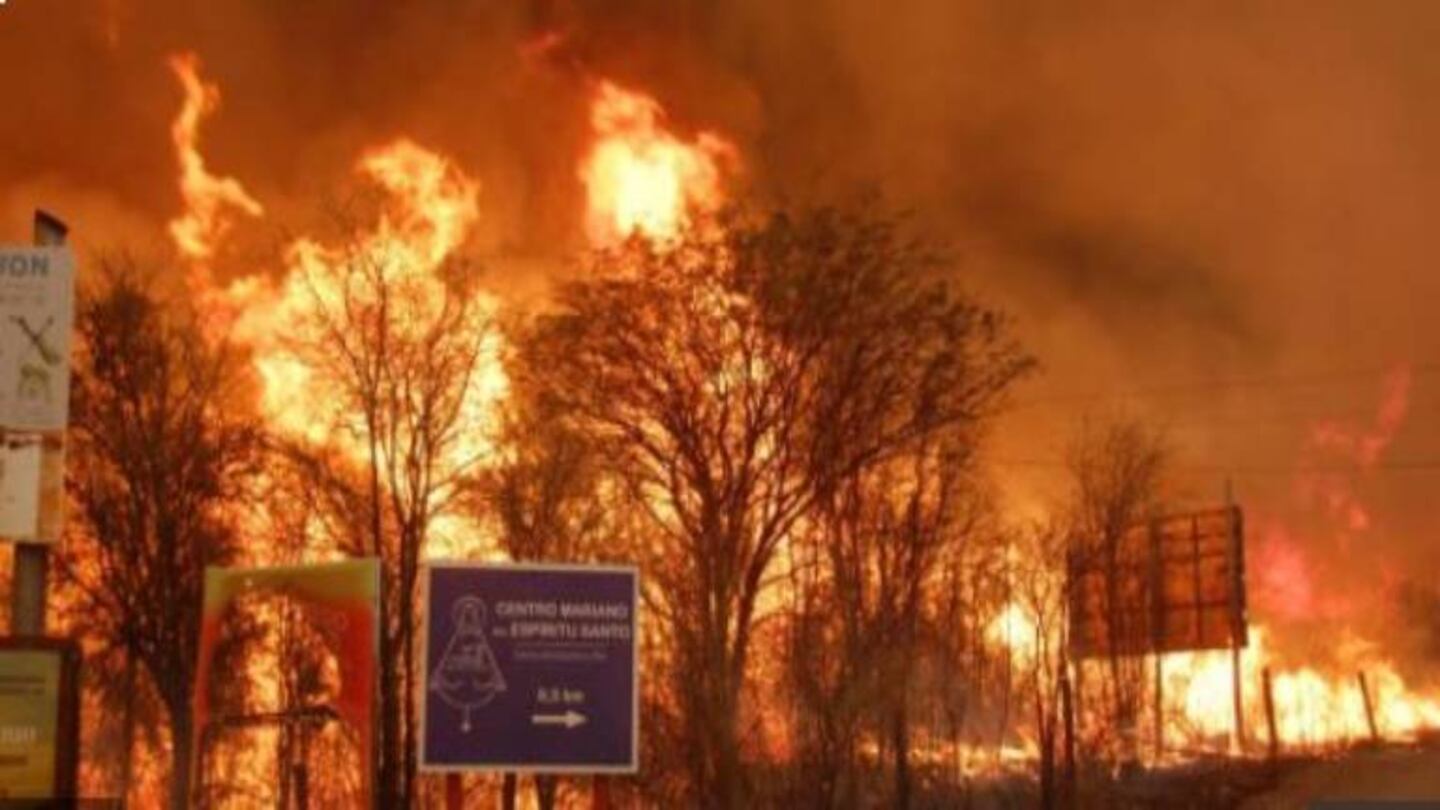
[
  {"x": 900, "y": 742},
  {"x": 407, "y": 635},
  {"x": 181, "y": 743},
  {"x": 385, "y": 794},
  {"x": 388, "y": 751},
  {"x": 127, "y": 731},
  {"x": 1045, "y": 725},
  {"x": 729, "y": 780}
]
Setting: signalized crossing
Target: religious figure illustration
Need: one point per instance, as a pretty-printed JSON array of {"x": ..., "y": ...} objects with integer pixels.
[{"x": 467, "y": 676}]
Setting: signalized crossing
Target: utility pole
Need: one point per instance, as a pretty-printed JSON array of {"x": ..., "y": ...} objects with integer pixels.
[{"x": 32, "y": 560}]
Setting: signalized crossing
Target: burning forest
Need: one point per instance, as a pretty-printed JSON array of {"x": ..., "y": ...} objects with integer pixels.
[{"x": 672, "y": 404}]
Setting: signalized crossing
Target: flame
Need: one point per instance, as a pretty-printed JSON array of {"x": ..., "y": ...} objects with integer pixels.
[
  {"x": 1015, "y": 629},
  {"x": 1313, "y": 708},
  {"x": 1316, "y": 704},
  {"x": 639, "y": 177},
  {"x": 432, "y": 208},
  {"x": 206, "y": 196}
]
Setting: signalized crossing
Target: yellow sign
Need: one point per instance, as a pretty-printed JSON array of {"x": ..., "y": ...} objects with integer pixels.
[{"x": 29, "y": 722}]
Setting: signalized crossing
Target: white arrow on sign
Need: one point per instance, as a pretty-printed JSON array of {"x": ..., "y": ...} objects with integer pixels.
[{"x": 569, "y": 719}]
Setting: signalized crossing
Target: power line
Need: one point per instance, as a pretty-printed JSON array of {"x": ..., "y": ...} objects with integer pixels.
[
  {"x": 1160, "y": 390},
  {"x": 1404, "y": 466}
]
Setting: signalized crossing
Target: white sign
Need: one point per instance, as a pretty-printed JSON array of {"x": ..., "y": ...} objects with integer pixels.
[
  {"x": 37, "y": 292},
  {"x": 19, "y": 490}
]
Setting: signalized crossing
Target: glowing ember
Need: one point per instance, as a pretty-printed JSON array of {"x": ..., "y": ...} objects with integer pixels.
[
  {"x": 640, "y": 178},
  {"x": 207, "y": 197}
]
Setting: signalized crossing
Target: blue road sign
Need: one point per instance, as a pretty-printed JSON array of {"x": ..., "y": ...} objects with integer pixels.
[{"x": 530, "y": 668}]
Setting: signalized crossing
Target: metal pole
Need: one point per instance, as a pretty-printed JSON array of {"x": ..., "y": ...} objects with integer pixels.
[
  {"x": 1159, "y": 706},
  {"x": 1157, "y": 634},
  {"x": 1270, "y": 716},
  {"x": 508, "y": 791},
  {"x": 1237, "y": 629},
  {"x": 32, "y": 560},
  {"x": 1369, "y": 707},
  {"x": 454, "y": 792},
  {"x": 600, "y": 793}
]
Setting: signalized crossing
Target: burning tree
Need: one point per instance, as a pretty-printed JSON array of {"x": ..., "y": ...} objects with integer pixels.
[
  {"x": 1117, "y": 470},
  {"x": 734, "y": 381},
  {"x": 163, "y": 449},
  {"x": 401, "y": 346}
]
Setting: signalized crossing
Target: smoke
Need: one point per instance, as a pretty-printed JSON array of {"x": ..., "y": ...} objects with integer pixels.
[{"x": 1160, "y": 192}]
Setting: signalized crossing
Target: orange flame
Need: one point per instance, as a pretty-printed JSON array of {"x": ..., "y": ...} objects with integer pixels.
[
  {"x": 1312, "y": 708},
  {"x": 433, "y": 207},
  {"x": 206, "y": 196},
  {"x": 640, "y": 178},
  {"x": 1315, "y": 706}
]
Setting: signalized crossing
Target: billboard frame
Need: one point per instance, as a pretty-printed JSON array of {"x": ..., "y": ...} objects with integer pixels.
[{"x": 1149, "y": 572}]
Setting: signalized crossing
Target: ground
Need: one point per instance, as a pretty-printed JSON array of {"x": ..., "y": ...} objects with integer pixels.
[{"x": 1386, "y": 773}]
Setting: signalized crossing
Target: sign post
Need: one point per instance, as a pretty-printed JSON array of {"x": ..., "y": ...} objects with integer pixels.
[
  {"x": 36, "y": 308},
  {"x": 530, "y": 668}
]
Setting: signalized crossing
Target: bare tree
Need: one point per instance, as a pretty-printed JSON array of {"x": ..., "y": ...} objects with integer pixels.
[
  {"x": 1041, "y": 592},
  {"x": 733, "y": 382},
  {"x": 1117, "y": 472},
  {"x": 545, "y": 492},
  {"x": 401, "y": 353},
  {"x": 164, "y": 448}
]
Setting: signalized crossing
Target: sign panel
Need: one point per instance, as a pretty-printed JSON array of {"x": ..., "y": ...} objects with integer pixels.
[
  {"x": 331, "y": 614},
  {"x": 1175, "y": 583},
  {"x": 32, "y": 487},
  {"x": 37, "y": 291},
  {"x": 530, "y": 668},
  {"x": 38, "y": 718}
]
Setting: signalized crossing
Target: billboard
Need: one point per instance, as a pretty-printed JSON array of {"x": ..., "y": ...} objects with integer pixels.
[
  {"x": 1171, "y": 584},
  {"x": 530, "y": 668},
  {"x": 329, "y": 613},
  {"x": 37, "y": 291},
  {"x": 39, "y": 718}
]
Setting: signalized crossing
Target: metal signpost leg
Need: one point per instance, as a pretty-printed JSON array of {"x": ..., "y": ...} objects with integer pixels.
[
  {"x": 1237, "y": 630},
  {"x": 454, "y": 792},
  {"x": 32, "y": 560}
]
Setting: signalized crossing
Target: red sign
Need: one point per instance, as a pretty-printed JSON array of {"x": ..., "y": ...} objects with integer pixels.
[{"x": 324, "y": 617}]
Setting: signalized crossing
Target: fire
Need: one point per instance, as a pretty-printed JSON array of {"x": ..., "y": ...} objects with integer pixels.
[
  {"x": 207, "y": 196},
  {"x": 1015, "y": 628},
  {"x": 432, "y": 207},
  {"x": 639, "y": 177},
  {"x": 1316, "y": 704},
  {"x": 1312, "y": 708},
  {"x": 427, "y": 210}
]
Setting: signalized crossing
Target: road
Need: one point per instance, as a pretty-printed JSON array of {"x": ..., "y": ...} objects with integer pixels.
[{"x": 1392, "y": 773}]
